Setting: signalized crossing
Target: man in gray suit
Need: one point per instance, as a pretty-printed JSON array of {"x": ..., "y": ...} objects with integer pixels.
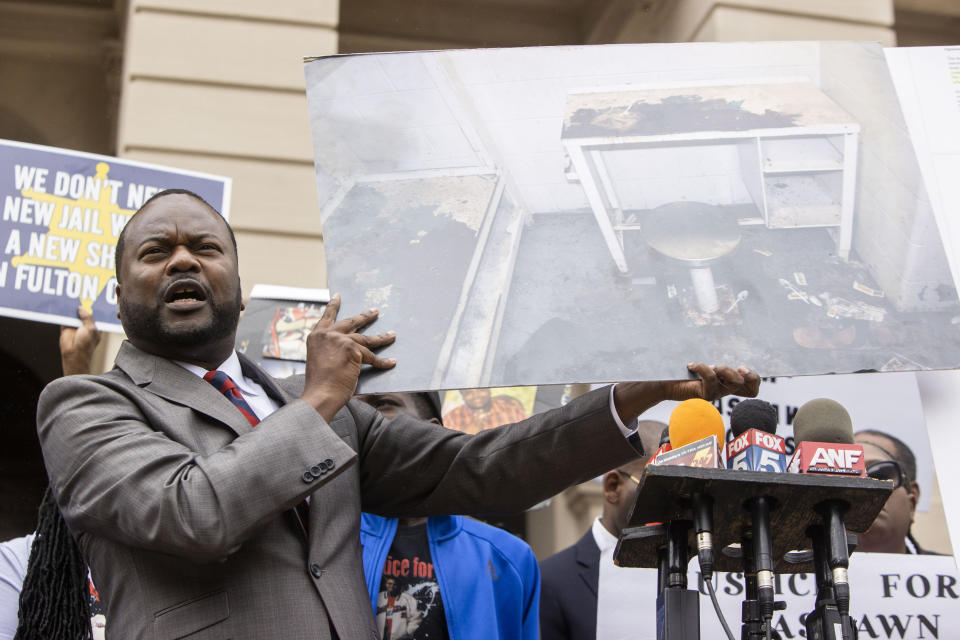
[{"x": 186, "y": 504}]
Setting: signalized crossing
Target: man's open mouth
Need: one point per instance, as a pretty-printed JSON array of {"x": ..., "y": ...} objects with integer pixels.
[{"x": 184, "y": 292}]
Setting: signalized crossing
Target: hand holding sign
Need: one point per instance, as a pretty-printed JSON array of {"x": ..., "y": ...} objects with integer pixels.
[{"x": 78, "y": 344}]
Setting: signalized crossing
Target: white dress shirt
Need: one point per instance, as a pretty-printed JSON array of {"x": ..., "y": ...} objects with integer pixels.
[
  {"x": 626, "y": 597},
  {"x": 262, "y": 404}
]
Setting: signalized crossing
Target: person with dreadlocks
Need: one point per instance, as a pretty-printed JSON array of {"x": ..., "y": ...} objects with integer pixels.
[{"x": 45, "y": 591}]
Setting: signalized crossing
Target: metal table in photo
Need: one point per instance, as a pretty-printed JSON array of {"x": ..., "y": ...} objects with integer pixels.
[{"x": 796, "y": 150}]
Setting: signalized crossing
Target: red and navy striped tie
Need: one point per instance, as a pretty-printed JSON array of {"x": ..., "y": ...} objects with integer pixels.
[{"x": 224, "y": 384}]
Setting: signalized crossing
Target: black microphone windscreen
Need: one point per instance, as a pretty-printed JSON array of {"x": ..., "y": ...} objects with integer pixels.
[
  {"x": 823, "y": 420},
  {"x": 753, "y": 414}
]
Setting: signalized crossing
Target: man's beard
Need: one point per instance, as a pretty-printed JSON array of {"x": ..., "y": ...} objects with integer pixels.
[{"x": 144, "y": 322}]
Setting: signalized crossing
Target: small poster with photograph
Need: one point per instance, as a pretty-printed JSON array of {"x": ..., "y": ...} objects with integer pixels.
[
  {"x": 286, "y": 337},
  {"x": 275, "y": 324},
  {"x": 475, "y": 410}
]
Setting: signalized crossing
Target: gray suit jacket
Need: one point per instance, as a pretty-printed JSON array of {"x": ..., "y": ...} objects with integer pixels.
[{"x": 182, "y": 510}]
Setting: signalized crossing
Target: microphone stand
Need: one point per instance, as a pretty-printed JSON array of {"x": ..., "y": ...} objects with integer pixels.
[
  {"x": 663, "y": 582},
  {"x": 751, "y": 615},
  {"x": 824, "y": 622},
  {"x": 678, "y": 608},
  {"x": 664, "y": 496},
  {"x": 752, "y": 623}
]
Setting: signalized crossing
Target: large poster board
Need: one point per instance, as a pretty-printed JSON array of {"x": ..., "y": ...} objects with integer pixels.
[
  {"x": 598, "y": 213},
  {"x": 62, "y": 213}
]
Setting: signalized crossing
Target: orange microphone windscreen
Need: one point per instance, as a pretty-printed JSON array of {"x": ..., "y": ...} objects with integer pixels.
[{"x": 694, "y": 420}]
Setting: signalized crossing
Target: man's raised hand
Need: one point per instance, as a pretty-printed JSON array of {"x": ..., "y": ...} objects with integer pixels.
[
  {"x": 77, "y": 344},
  {"x": 713, "y": 382},
  {"x": 336, "y": 353}
]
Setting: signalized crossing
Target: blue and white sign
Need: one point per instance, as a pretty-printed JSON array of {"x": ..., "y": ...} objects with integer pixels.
[{"x": 62, "y": 213}]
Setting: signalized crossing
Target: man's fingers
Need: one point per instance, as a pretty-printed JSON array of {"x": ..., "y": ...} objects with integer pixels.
[
  {"x": 728, "y": 377},
  {"x": 718, "y": 381},
  {"x": 705, "y": 372},
  {"x": 375, "y": 361},
  {"x": 741, "y": 381},
  {"x": 751, "y": 382},
  {"x": 374, "y": 342},
  {"x": 85, "y": 317},
  {"x": 347, "y": 325},
  {"x": 357, "y": 322},
  {"x": 330, "y": 312},
  {"x": 89, "y": 332}
]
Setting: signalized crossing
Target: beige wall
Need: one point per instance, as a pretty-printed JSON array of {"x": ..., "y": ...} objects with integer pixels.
[
  {"x": 218, "y": 86},
  {"x": 753, "y": 20},
  {"x": 927, "y": 22},
  {"x": 55, "y": 68}
]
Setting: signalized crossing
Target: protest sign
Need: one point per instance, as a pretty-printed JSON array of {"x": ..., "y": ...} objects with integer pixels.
[
  {"x": 62, "y": 213},
  {"x": 892, "y": 596}
]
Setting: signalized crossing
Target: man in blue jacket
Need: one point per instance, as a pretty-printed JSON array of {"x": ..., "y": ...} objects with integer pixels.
[{"x": 446, "y": 576}]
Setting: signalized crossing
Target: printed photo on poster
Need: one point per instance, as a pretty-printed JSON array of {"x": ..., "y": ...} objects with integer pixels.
[
  {"x": 474, "y": 410},
  {"x": 600, "y": 213},
  {"x": 286, "y": 336},
  {"x": 275, "y": 324}
]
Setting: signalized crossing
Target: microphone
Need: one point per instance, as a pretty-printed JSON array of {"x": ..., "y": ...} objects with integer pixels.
[
  {"x": 664, "y": 445},
  {"x": 696, "y": 431},
  {"x": 755, "y": 445},
  {"x": 824, "y": 434},
  {"x": 693, "y": 420},
  {"x": 753, "y": 414}
]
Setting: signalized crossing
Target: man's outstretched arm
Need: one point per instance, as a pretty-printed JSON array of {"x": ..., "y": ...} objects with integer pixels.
[{"x": 511, "y": 467}]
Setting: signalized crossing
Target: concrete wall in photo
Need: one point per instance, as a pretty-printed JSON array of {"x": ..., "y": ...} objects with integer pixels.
[{"x": 895, "y": 231}]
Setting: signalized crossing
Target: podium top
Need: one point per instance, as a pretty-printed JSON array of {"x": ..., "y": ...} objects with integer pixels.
[{"x": 666, "y": 493}]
